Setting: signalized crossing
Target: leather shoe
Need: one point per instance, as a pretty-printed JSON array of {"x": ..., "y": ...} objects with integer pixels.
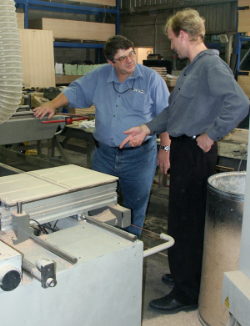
[
  {"x": 167, "y": 279},
  {"x": 170, "y": 305}
]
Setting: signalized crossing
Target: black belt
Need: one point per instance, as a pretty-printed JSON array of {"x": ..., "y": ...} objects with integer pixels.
[{"x": 184, "y": 137}]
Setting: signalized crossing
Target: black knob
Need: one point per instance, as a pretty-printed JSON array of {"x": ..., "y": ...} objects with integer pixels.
[{"x": 10, "y": 280}]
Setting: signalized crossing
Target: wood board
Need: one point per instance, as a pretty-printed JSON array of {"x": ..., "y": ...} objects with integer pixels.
[
  {"x": 244, "y": 82},
  {"x": 111, "y": 3},
  {"x": 75, "y": 30},
  {"x": 244, "y": 20},
  {"x": 37, "y": 58},
  {"x": 243, "y": 3}
]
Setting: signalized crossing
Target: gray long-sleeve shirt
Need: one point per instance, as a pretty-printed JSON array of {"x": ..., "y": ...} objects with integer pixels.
[{"x": 206, "y": 99}]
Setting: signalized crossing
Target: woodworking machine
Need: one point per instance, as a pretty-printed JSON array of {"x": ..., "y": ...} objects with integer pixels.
[
  {"x": 64, "y": 258},
  {"x": 82, "y": 271}
]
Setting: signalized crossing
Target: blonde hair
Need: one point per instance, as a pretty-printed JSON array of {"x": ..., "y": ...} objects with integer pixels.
[{"x": 188, "y": 20}]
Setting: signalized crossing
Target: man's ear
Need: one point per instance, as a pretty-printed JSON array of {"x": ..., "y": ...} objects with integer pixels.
[
  {"x": 110, "y": 62},
  {"x": 183, "y": 35}
]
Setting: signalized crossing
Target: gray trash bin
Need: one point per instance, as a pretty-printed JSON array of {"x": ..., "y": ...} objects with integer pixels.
[{"x": 221, "y": 251}]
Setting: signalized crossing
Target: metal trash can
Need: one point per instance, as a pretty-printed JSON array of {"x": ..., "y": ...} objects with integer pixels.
[{"x": 225, "y": 198}]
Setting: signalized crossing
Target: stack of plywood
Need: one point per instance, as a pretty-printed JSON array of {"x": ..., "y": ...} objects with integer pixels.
[
  {"x": 244, "y": 27},
  {"x": 75, "y": 30},
  {"x": 38, "y": 58}
]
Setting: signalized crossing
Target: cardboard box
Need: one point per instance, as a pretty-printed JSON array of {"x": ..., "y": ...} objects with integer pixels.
[{"x": 75, "y": 30}]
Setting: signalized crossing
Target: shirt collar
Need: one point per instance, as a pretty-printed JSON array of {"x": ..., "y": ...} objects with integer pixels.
[{"x": 113, "y": 77}]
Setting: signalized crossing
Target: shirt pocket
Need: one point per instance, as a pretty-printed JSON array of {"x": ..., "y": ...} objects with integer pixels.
[
  {"x": 137, "y": 101},
  {"x": 189, "y": 88}
]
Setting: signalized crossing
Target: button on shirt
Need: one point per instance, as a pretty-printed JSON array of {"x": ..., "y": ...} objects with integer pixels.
[{"x": 119, "y": 106}]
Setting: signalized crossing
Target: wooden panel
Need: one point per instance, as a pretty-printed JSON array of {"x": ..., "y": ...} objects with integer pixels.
[
  {"x": 78, "y": 30},
  {"x": 142, "y": 53},
  {"x": 244, "y": 82},
  {"x": 244, "y": 20},
  {"x": 98, "y": 2},
  {"x": 38, "y": 58},
  {"x": 243, "y": 3},
  {"x": 20, "y": 19}
]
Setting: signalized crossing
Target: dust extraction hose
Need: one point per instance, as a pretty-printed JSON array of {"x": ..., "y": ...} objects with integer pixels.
[{"x": 10, "y": 61}]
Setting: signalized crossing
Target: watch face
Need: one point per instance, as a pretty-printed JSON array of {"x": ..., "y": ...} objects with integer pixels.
[{"x": 165, "y": 148}]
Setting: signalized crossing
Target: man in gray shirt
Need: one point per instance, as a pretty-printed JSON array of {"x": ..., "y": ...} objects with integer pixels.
[{"x": 205, "y": 105}]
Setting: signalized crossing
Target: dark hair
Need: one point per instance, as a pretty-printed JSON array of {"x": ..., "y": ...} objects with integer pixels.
[{"x": 116, "y": 43}]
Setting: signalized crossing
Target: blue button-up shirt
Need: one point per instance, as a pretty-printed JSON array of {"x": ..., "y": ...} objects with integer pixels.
[{"x": 119, "y": 106}]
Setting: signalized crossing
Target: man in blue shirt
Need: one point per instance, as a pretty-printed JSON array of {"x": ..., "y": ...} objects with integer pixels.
[{"x": 124, "y": 94}]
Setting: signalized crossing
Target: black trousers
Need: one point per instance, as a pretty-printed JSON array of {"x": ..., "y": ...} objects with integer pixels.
[{"x": 190, "y": 168}]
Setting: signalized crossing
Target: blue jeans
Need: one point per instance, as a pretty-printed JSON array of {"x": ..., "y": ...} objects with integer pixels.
[{"x": 135, "y": 168}]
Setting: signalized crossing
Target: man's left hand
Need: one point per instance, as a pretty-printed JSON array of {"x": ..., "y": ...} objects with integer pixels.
[
  {"x": 204, "y": 142},
  {"x": 163, "y": 161}
]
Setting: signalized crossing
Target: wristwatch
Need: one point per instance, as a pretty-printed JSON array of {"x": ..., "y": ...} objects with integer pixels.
[{"x": 165, "y": 148}]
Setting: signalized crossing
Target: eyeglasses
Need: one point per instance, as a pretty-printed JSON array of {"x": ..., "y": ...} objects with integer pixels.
[{"x": 124, "y": 57}]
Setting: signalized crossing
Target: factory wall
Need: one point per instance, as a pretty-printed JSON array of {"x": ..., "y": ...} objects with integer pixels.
[{"x": 144, "y": 25}]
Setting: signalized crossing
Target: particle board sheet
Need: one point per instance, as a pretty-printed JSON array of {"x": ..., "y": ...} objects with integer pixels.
[
  {"x": 244, "y": 20},
  {"x": 76, "y": 30},
  {"x": 20, "y": 19},
  {"x": 98, "y": 2},
  {"x": 244, "y": 82},
  {"x": 37, "y": 58}
]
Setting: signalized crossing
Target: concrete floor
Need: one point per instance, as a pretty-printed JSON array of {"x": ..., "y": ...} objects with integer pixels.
[{"x": 156, "y": 222}]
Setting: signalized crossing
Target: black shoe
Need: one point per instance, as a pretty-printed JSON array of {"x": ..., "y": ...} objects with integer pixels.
[
  {"x": 168, "y": 279},
  {"x": 170, "y": 305}
]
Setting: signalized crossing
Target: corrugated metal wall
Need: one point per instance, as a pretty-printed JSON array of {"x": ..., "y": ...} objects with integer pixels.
[
  {"x": 143, "y": 20},
  {"x": 170, "y": 4}
]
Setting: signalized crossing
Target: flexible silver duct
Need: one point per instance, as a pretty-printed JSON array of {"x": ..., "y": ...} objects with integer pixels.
[{"x": 10, "y": 61}]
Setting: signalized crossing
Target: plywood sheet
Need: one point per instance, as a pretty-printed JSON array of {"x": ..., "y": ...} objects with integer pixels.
[
  {"x": 244, "y": 21},
  {"x": 244, "y": 82},
  {"x": 98, "y": 2},
  {"x": 20, "y": 19},
  {"x": 243, "y": 3},
  {"x": 76, "y": 30},
  {"x": 38, "y": 58}
]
